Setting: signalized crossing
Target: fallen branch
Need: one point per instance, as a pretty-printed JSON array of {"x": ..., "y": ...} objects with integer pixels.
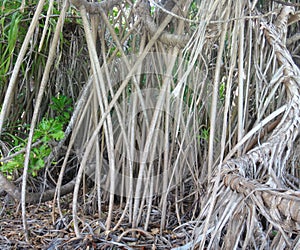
[{"x": 33, "y": 198}]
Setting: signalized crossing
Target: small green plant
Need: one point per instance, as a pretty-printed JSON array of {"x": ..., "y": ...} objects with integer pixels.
[
  {"x": 48, "y": 130},
  {"x": 222, "y": 90},
  {"x": 11, "y": 31},
  {"x": 61, "y": 106},
  {"x": 204, "y": 134}
]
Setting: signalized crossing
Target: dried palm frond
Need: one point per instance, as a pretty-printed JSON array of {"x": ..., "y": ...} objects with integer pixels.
[{"x": 248, "y": 202}]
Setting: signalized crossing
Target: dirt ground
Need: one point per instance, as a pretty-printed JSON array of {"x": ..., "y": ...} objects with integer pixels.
[{"x": 48, "y": 230}]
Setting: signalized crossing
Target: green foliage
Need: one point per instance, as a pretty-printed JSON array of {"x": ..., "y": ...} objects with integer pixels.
[
  {"x": 204, "y": 134},
  {"x": 61, "y": 105},
  {"x": 11, "y": 31},
  {"x": 47, "y": 131},
  {"x": 222, "y": 90}
]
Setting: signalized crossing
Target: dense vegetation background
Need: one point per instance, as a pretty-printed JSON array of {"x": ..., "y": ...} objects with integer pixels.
[{"x": 150, "y": 124}]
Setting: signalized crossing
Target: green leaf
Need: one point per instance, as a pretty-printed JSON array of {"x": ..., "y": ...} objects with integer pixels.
[
  {"x": 46, "y": 138},
  {"x": 58, "y": 135}
]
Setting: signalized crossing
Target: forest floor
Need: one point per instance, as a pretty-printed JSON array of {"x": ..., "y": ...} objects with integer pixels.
[{"x": 48, "y": 230}]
